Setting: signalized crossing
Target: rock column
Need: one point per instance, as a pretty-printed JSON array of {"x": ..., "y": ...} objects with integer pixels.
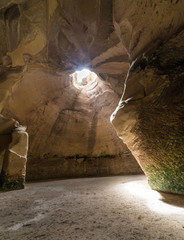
[{"x": 14, "y": 166}]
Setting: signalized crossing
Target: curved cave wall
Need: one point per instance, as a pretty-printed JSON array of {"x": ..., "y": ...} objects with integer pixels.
[
  {"x": 136, "y": 50},
  {"x": 70, "y": 134},
  {"x": 151, "y": 122},
  {"x": 149, "y": 117}
]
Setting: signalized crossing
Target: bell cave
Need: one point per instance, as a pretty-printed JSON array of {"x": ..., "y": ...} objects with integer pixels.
[{"x": 91, "y": 119}]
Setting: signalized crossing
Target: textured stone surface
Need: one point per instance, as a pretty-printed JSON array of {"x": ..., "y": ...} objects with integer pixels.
[
  {"x": 66, "y": 123},
  {"x": 19, "y": 143},
  {"x": 7, "y": 124},
  {"x": 151, "y": 123},
  {"x": 80, "y": 166},
  {"x": 13, "y": 171},
  {"x": 2, "y": 153},
  {"x": 14, "y": 160}
]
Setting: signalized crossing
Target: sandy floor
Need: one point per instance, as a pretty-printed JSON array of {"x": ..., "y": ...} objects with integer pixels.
[{"x": 107, "y": 208}]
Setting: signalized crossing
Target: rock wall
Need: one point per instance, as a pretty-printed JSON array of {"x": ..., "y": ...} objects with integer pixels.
[
  {"x": 151, "y": 122},
  {"x": 149, "y": 118},
  {"x": 69, "y": 130}
]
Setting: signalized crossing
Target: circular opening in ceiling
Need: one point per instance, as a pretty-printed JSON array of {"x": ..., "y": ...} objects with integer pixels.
[{"x": 83, "y": 78}]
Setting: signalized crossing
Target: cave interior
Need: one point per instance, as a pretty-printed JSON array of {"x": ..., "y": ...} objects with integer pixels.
[{"x": 92, "y": 89}]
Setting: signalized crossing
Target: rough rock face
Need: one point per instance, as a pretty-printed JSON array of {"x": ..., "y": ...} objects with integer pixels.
[
  {"x": 151, "y": 123},
  {"x": 69, "y": 128},
  {"x": 13, "y": 154},
  {"x": 149, "y": 118},
  {"x": 42, "y": 42}
]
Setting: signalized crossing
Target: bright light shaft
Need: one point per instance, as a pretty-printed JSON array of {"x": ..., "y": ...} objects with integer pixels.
[{"x": 82, "y": 74}]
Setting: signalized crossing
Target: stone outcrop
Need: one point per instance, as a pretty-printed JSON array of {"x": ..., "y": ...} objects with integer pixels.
[
  {"x": 149, "y": 119},
  {"x": 13, "y": 154},
  {"x": 149, "y": 116}
]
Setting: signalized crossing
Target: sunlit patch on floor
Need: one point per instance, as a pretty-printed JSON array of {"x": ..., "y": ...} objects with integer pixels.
[{"x": 155, "y": 200}]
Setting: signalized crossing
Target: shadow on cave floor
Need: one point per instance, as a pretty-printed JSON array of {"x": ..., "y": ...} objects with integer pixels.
[{"x": 173, "y": 199}]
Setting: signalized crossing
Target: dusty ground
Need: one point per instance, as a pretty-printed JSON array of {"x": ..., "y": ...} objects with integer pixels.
[{"x": 107, "y": 208}]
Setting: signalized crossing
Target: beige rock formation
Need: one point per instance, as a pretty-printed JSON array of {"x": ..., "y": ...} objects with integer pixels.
[
  {"x": 151, "y": 122},
  {"x": 13, "y": 154},
  {"x": 149, "y": 117},
  {"x": 66, "y": 124}
]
